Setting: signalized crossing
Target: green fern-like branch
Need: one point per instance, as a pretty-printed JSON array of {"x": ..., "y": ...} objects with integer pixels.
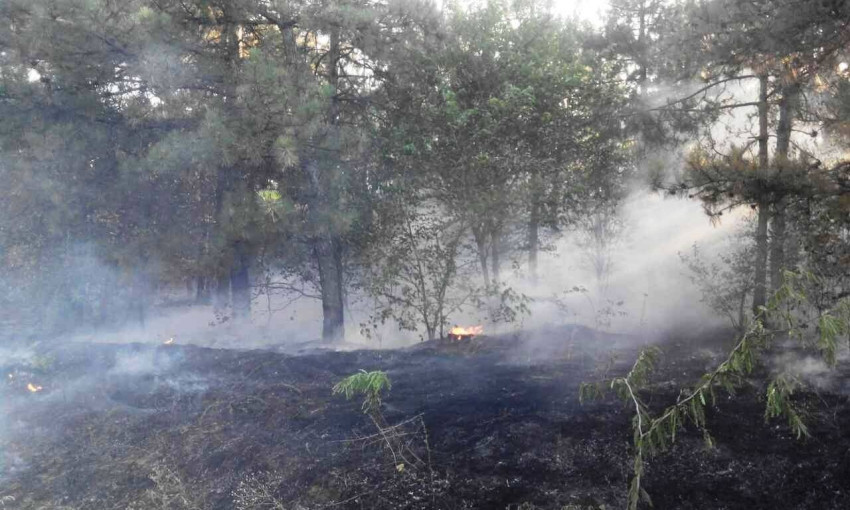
[{"x": 368, "y": 384}]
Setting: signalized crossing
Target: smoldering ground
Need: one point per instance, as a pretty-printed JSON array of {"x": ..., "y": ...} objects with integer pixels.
[{"x": 123, "y": 425}]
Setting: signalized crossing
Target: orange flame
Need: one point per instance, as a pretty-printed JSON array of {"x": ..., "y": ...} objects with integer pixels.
[
  {"x": 470, "y": 331},
  {"x": 34, "y": 388}
]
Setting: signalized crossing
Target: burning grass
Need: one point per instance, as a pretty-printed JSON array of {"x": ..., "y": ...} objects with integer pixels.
[{"x": 459, "y": 333}]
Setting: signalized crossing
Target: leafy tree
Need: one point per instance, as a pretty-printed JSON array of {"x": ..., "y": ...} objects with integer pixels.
[
  {"x": 726, "y": 284},
  {"x": 519, "y": 130},
  {"x": 416, "y": 279}
]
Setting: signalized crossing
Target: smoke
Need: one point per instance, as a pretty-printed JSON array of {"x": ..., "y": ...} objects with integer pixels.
[
  {"x": 142, "y": 362},
  {"x": 74, "y": 380},
  {"x": 645, "y": 287}
]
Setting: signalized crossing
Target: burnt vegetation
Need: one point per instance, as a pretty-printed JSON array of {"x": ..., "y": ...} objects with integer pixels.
[{"x": 425, "y": 215}]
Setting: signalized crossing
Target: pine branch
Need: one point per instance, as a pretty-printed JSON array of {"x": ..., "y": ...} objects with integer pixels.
[{"x": 654, "y": 434}]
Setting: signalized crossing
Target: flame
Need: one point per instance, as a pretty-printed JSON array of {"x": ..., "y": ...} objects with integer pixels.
[
  {"x": 33, "y": 387},
  {"x": 470, "y": 331},
  {"x": 169, "y": 341}
]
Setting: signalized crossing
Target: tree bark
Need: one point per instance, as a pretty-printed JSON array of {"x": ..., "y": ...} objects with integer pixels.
[
  {"x": 785, "y": 123},
  {"x": 778, "y": 224},
  {"x": 327, "y": 245},
  {"x": 760, "y": 283},
  {"x": 225, "y": 177},
  {"x": 742, "y": 307},
  {"x": 760, "y": 287},
  {"x": 240, "y": 283},
  {"x": 202, "y": 293},
  {"x": 328, "y": 255},
  {"x": 763, "y": 135},
  {"x": 221, "y": 293},
  {"x": 141, "y": 292},
  {"x": 777, "y": 245},
  {"x": 495, "y": 254},
  {"x": 533, "y": 238},
  {"x": 330, "y": 281},
  {"x": 481, "y": 245}
]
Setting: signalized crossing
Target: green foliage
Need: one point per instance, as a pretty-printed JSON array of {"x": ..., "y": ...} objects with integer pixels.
[
  {"x": 725, "y": 284},
  {"x": 830, "y": 328},
  {"x": 654, "y": 433},
  {"x": 368, "y": 384},
  {"x": 415, "y": 278},
  {"x": 779, "y": 403}
]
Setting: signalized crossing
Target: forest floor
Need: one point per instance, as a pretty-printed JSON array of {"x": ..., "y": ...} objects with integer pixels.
[{"x": 495, "y": 423}]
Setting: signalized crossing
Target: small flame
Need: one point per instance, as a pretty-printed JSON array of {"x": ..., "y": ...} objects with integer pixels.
[
  {"x": 470, "y": 331},
  {"x": 33, "y": 387},
  {"x": 169, "y": 341}
]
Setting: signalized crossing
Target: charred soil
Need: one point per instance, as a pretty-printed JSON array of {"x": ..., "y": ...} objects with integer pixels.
[{"x": 495, "y": 422}]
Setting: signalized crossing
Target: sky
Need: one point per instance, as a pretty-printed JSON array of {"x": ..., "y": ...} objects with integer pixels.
[{"x": 586, "y": 10}]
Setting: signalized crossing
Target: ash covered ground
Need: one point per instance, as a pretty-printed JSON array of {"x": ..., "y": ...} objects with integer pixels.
[{"x": 495, "y": 421}]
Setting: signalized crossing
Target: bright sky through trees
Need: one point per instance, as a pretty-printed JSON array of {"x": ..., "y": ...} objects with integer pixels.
[{"x": 591, "y": 11}]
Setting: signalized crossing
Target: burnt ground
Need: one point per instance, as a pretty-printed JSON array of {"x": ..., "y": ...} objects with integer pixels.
[{"x": 183, "y": 427}]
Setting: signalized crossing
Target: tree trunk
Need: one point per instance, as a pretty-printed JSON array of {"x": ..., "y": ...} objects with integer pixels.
[
  {"x": 225, "y": 175},
  {"x": 783, "y": 143},
  {"x": 777, "y": 245},
  {"x": 763, "y": 135},
  {"x": 495, "y": 254},
  {"x": 481, "y": 245},
  {"x": 328, "y": 256},
  {"x": 202, "y": 292},
  {"x": 330, "y": 281},
  {"x": 327, "y": 245},
  {"x": 140, "y": 293},
  {"x": 742, "y": 307},
  {"x": 221, "y": 293},
  {"x": 431, "y": 331},
  {"x": 785, "y": 123},
  {"x": 760, "y": 287},
  {"x": 240, "y": 283},
  {"x": 221, "y": 286},
  {"x": 760, "y": 283},
  {"x": 533, "y": 238}
]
